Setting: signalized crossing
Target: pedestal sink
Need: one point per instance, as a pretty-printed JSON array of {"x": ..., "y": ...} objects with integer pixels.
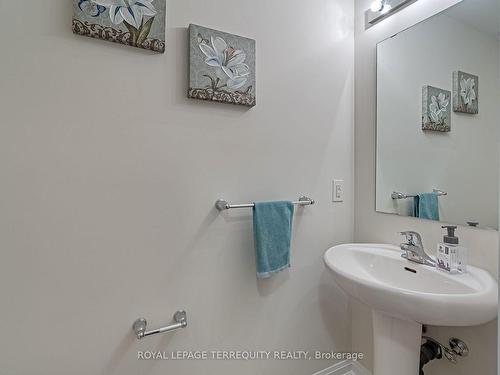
[{"x": 405, "y": 295}]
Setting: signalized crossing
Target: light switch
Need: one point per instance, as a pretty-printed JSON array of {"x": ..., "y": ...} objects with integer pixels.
[{"x": 338, "y": 191}]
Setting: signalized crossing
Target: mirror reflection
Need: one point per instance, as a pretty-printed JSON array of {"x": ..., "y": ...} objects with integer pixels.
[{"x": 438, "y": 98}]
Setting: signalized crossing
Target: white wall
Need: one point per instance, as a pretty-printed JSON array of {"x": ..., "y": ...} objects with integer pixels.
[
  {"x": 109, "y": 176},
  {"x": 463, "y": 162},
  {"x": 498, "y": 328},
  {"x": 376, "y": 227}
]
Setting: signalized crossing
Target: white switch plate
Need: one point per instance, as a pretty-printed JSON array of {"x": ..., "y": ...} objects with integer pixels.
[{"x": 338, "y": 191}]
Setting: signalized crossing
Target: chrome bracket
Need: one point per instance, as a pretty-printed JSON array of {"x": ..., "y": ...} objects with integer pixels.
[
  {"x": 457, "y": 348},
  {"x": 140, "y": 325},
  {"x": 222, "y": 205},
  {"x": 306, "y": 200}
]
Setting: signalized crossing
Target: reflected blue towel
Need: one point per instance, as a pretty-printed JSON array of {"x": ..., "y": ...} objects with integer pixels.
[
  {"x": 426, "y": 206},
  {"x": 272, "y": 228}
]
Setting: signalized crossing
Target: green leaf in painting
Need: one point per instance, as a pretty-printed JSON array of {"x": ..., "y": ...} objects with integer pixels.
[
  {"x": 144, "y": 31},
  {"x": 133, "y": 32}
]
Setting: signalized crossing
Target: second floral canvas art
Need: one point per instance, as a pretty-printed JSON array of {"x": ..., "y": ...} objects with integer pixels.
[
  {"x": 465, "y": 93},
  {"x": 222, "y": 67}
]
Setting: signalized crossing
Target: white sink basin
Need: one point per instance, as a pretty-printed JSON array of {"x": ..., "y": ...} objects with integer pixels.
[
  {"x": 404, "y": 295},
  {"x": 379, "y": 277}
]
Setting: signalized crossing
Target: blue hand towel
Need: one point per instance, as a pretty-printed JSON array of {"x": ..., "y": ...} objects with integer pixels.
[
  {"x": 272, "y": 227},
  {"x": 426, "y": 206}
]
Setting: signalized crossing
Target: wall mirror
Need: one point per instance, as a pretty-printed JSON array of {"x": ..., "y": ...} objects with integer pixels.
[{"x": 438, "y": 115}]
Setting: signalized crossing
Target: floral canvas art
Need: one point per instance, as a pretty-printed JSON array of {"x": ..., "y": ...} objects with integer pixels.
[
  {"x": 465, "y": 93},
  {"x": 137, "y": 23},
  {"x": 436, "y": 109},
  {"x": 222, "y": 67}
]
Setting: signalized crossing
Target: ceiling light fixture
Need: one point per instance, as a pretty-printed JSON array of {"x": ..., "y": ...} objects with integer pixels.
[{"x": 381, "y": 9}]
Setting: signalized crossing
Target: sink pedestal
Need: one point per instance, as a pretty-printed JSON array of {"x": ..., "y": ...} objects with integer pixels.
[{"x": 396, "y": 345}]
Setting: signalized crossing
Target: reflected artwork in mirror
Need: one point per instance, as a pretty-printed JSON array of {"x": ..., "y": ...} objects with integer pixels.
[{"x": 437, "y": 146}]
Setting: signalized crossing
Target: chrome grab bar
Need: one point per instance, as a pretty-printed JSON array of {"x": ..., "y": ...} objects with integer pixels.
[
  {"x": 399, "y": 195},
  {"x": 140, "y": 325},
  {"x": 222, "y": 205}
]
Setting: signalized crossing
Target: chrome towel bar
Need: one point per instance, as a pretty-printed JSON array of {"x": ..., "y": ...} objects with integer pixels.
[
  {"x": 140, "y": 325},
  {"x": 224, "y": 205},
  {"x": 399, "y": 195}
]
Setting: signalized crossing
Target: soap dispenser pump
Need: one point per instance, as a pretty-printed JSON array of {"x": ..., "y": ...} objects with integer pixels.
[
  {"x": 450, "y": 239},
  {"x": 451, "y": 257}
]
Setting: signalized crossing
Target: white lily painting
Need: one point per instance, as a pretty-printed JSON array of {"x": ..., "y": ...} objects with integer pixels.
[
  {"x": 436, "y": 109},
  {"x": 222, "y": 67},
  {"x": 465, "y": 93},
  {"x": 137, "y": 23}
]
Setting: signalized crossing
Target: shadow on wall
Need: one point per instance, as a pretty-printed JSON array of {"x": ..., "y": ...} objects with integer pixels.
[{"x": 333, "y": 302}]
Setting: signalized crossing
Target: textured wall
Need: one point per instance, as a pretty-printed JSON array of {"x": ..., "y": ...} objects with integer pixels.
[{"x": 109, "y": 176}]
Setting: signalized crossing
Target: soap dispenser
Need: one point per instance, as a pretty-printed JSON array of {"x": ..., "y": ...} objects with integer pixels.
[{"x": 451, "y": 257}]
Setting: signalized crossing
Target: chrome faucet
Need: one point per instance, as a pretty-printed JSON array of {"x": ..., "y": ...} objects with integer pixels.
[{"x": 414, "y": 249}]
